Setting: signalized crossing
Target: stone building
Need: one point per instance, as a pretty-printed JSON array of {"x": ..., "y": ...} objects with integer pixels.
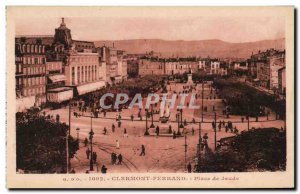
[
  {"x": 267, "y": 65},
  {"x": 277, "y": 61},
  {"x": 281, "y": 80},
  {"x": 116, "y": 65},
  {"x": 153, "y": 66},
  {"x": 82, "y": 65},
  {"x": 30, "y": 61}
]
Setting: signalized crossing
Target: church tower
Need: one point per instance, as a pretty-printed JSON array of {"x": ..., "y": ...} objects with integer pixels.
[{"x": 63, "y": 35}]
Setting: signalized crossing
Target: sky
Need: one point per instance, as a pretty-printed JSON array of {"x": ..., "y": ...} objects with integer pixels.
[{"x": 230, "y": 28}]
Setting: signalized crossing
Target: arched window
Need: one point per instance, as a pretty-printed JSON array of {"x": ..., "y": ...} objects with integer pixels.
[
  {"x": 28, "y": 48},
  {"x": 24, "y": 48}
]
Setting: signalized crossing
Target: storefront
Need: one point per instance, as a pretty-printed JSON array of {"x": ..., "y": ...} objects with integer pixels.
[
  {"x": 59, "y": 95},
  {"x": 90, "y": 87}
]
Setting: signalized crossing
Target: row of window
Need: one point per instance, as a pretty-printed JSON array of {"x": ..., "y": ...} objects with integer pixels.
[
  {"x": 33, "y": 60},
  {"x": 32, "y": 48},
  {"x": 54, "y": 66},
  {"x": 85, "y": 59},
  {"x": 84, "y": 74},
  {"x": 34, "y": 91},
  {"x": 34, "y": 70},
  {"x": 32, "y": 81}
]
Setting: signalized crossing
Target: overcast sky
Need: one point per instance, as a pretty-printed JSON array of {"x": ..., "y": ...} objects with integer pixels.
[{"x": 228, "y": 28}]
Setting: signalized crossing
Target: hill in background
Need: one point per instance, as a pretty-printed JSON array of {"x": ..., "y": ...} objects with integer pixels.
[{"x": 200, "y": 48}]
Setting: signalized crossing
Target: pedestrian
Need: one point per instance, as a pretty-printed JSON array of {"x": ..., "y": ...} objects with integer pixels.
[
  {"x": 143, "y": 151},
  {"x": 94, "y": 157},
  {"x": 120, "y": 158},
  {"x": 205, "y": 138},
  {"x": 104, "y": 131},
  {"x": 117, "y": 144},
  {"x": 189, "y": 168},
  {"x": 88, "y": 152},
  {"x": 174, "y": 135},
  {"x": 219, "y": 126},
  {"x": 125, "y": 133},
  {"x": 236, "y": 131},
  {"x": 103, "y": 169},
  {"x": 132, "y": 117},
  {"x": 113, "y": 158},
  {"x": 86, "y": 141},
  {"x": 157, "y": 130},
  {"x": 119, "y": 123}
]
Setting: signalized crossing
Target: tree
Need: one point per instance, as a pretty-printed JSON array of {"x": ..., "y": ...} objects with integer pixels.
[{"x": 41, "y": 143}]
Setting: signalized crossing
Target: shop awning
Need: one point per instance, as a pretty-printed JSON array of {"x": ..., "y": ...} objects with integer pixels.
[
  {"x": 57, "y": 78},
  {"x": 59, "y": 95},
  {"x": 86, "y": 88}
]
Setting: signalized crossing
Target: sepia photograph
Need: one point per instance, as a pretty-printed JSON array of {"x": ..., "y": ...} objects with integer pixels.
[{"x": 165, "y": 97}]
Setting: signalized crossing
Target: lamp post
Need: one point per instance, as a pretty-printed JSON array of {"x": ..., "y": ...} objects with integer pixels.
[
  {"x": 67, "y": 151},
  {"x": 91, "y": 141},
  {"x": 78, "y": 129},
  {"x": 181, "y": 124},
  {"x": 152, "y": 124},
  {"x": 178, "y": 129},
  {"x": 202, "y": 108},
  {"x": 146, "y": 131},
  {"x": 185, "y": 149},
  {"x": 199, "y": 148}
]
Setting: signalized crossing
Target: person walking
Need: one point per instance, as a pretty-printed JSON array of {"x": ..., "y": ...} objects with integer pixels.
[
  {"x": 189, "y": 168},
  {"x": 94, "y": 157},
  {"x": 117, "y": 144},
  {"x": 120, "y": 159},
  {"x": 104, "y": 131},
  {"x": 132, "y": 117},
  {"x": 113, "y": 127},
  {"x": 143, "y": 151},
  {"x": 125, "y": 133},
  {"x": 113, "y": 158},
  {"x": 88, "y": 152},
  {"x": 157, "y": 130},
  {"x": 103, "y": 169},
  {"x": 86, "y": 141}
]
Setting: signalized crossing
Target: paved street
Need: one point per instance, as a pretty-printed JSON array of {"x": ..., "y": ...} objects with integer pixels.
[{"x": 163, "y": 153}]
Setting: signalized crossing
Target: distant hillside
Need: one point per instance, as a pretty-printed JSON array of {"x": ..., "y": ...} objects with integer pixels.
[{"x": 203, "y": 48}]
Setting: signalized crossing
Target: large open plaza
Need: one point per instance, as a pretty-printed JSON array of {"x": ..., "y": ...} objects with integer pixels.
[{"x": 163, "y": 152}]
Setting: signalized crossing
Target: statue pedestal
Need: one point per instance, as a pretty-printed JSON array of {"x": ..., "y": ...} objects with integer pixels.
[{"x": 190, "y": 80}]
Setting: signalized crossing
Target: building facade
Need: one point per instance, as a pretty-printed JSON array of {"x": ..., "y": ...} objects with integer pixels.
[
  {"x": 282, "y": 80},
  {"x": 30, "y": 61}
]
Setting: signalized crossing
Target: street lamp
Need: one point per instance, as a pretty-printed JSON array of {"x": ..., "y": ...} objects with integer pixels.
[
  {"x": 152, "y": 124},
  {"x": 178, "y": 126},
  {"x": 91, "y": 141},
  {"x": 78, "y": 129},
  {"x": 181, "y": 124},
  {"x": 147, "y": 130}
]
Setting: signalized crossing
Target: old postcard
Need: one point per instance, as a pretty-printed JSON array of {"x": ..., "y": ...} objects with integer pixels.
[{"x": 150, "y": 97}]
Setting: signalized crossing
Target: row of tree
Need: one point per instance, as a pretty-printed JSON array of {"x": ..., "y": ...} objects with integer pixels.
[
  {"x": 246, "y": 100},
  {"x": 41, "y": 143}
]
